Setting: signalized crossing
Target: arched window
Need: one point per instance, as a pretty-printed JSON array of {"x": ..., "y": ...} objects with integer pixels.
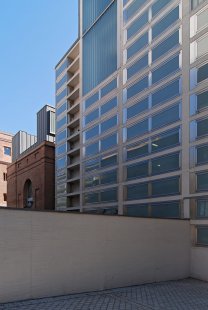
[{"x": 28, "y": 195}]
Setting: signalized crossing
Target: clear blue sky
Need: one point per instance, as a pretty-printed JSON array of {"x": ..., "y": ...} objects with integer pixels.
[{"x": 34, "y": 35}]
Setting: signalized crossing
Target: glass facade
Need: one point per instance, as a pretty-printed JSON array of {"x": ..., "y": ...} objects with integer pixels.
[{"x": 99, "y": 44}]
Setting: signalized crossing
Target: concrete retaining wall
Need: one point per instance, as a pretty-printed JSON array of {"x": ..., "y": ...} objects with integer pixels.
[{"x": 48, "y": 254}]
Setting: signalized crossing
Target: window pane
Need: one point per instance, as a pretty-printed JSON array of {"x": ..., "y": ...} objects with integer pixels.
[
  {"x": 165, "y": 187},
  {"x": 138, "y": 45},
  {"x": 195, "y": 3},
  {"x": 202, "y": 73},
  {"x": 137, "y": 108},
  {"x": 61, "y": 82},
  {"x": 166, "y": 117},
  {"x": 62, "y": 108},
  {"x": 92, "y": 149},
  {"x": 202, "y": 46},
  {"x": 167, "y": 140},
  {"x": 61, "y": 149},
  {"x": 7, "y": 150},
  {"x": 165, "y": 46},
  {"x": 60, "y": 96},
  {"x": 93, "y": 132},
  {"x": 202, "y": 154},
  {"x": 166, "y": 93},
  {"x": 137, "y": 66},
  {"x": 137, "y": 129},
  {"x": 131, "y": 10},
  {"x": 91, "y": 100},
  {"x": 109, "y": 160},
  {"x": 61, "y": 123},
  {"x": 92, "y": 181},
  {"x": 166, "y": 69},
  {"x": 137, "y": 25},
  {"x": 165, "y": 163},
  {"x": 158, "y": 6},
  {"x": 166, "y": 210},
  {"x": 91, "y": 198},
  {"x": 166, "y": 22},
  {"x": 137, "y": 191},
  {"x": 108, "y": 195},
  {"x": 202, "y": 127},
  {"x": 202, "y": 181},
  {"x": 61, "y": 163},
  {"x": 109, "y": 106},
  {"x": 61, "y": 136},
  {"x": 108, "y": 88},
  {"x": 202, "y": 208},
  {"x": 108, "y": 177},
  {"x": 202, "y": 19},
  {"x": 92, "y": 164},
  {"x": 137, "y": 88},
  {"x": 138, "y": 170},
  {"x": 62, "y": 67},
  {"x": 137, "y": 151},
  {"x": 202, "y": 235},
  {"x": 111, "y": 122},
  {"x": 92, "y": 116},
  {"x": 108, "y": 142},
  {"x": 137, "y": 210},
  {"x": 202, "y": 101}
]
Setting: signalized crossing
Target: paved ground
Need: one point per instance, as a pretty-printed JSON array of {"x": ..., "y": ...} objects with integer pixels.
[{"x": 172, "y": 295}]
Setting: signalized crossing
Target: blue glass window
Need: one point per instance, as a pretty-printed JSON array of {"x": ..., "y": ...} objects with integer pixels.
[
  {"x": 165, "y": 46},
  {"x": 61, "y": 136},
  {"x": 202, "y": 73},
  {"x": 202, "y": 181},
  {"x": 109, "y": 142},
  {"x": 108, "y": 124},
  {"x": 137, "y": 87},
  {"x": 137, "y": 210},
  {"x": 61, "y": 109},
  {"x": 166, "y": 69},
  {"x": 138, "y": 45},
  {"x": 166, "y": 22},
  {"x": 202, "y": 101},
  {"x": 137, "y": 66},
  {"x": 137, "y": 129},
  {"x": 92, "y": 149},
  {"x": 166, "y": 93},
  {"x": 137, "y": 108},
  {"x": 159, "y": 5},
  {"x": 137, "y": 191},
  {"x": 7, "y": 150},
  {"x": 89, "y": 101},
  {"x": 138, "y": 170},
  {"x": 165, "y": 187},
  {"x": 91, "y": 116},
  {"x": 202, "y": 154},
  {"x": 60, "y": 96},
  {"x": 136, "y": 151},
  {"x": 61, "y": 68},
  {"x": 61, "y": 149},
  {"x": 165, "y": 117},
  {"x": 61, "y": 123},
  {"x": 132, "y": 9},
  {"x": 166, "y": 140},
  {"x": 137, "y": 25},
  {"x": 106, "y": 107},
  {"x": 202, "y": 127},
  {"x": 61, "y": 82},
  {"x": 166, "y": 209},
  {"x": 91, "y": 133},
  {"x": 166, "y": 163},
  {"x": 108, "y": 88},
  {"x": 61, "y": 163}
]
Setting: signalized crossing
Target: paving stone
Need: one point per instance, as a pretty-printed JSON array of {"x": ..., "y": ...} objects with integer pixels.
[{"x": 172, "y": 295}]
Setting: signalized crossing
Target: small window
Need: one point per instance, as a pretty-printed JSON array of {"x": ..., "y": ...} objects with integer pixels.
[
  {"x": 137, "y": 108},
  {"x": 91, "y": 165},
  {"x": 165, "y": 140},
  {"x": 108, "y": 160},
  {"x": 136, "y": 151},
  {"x": 137, "y": 129},
  {"x": 137, "y": 210},
  {"x": 108, "y": 124},
  {"x": 92, "y": 149},
  {"x": 91, "y": 116},
  {"x": 109, "y": 195},
  {"x": 61, "y": 163},
  {"x": 60, "y": 96},
  {"x": 166, "y": 69},
  {"x": 202, "y": 101},
  {"x": 61, "y": 123},
  {"x": 5, "y": 176},
  {"x": 166, "y": 93},
  {"x": 91, "y": 133},
  {"x": 166, "y": 210},
  {"x": 165, "y": 187},
  {"x": 108, "y": 106},
  {"x": 61, "y": 136},
  {"x": 108, "y": 177},
  {"x": 89, "y": 101},
  {"x": 138, "y": 170},
  {"x": 132, "y": 9},
  {"x": 5, "y": 197},
  {"x": 202, "y": 235},
  {"x": 108, "y": 142},
  {"x": 202, "y": 73},
  {"x": 165, "y": 164},
  {"x": 158, "y": 6},
  {"x": 137, "y": 66},
  {"x": 166, "y": 117},
  {"x": 166, "y": 45},
  {"x": 202, "y": 181},
  {"x": 137, "y": 25},
  {"x": 165, "y": 23},
  {"x": 108, "y": 88},
  {"x": 62, "y": 108},
  {"x": 138, "y": 45},
  {"x": 137, "y": 87},
  {"x": 7, "y": 150},
  {"x": 202, "y": 154},
  {"x": 202, "y": 127},
  {"x": 137, "y": 191},
  {"x": 91, "y": 198},
  {"x": 202, "y": 208}
]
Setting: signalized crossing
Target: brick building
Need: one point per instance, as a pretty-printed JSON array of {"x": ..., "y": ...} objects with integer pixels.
[
  {"x": 31, "y": 178},
  {"x": 5, "y": 159}
]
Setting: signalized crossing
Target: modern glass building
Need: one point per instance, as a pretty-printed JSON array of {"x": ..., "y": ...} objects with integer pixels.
[{"x": 142, "y": 110}]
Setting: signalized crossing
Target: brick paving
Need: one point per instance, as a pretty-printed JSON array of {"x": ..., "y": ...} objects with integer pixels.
[{"x": 186, "y": 294}]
